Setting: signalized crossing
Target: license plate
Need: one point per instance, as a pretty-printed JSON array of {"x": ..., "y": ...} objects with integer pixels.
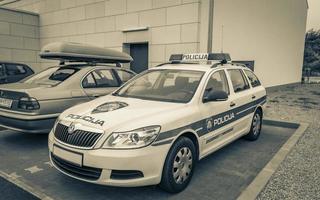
[
  {"x": 67, "y": 155},
  {"x": 5, "y": 102}
]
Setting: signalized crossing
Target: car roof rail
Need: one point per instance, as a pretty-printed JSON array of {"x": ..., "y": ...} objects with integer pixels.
[
  {"x": 62, "y": 63},
  {"x": 175, "y": 62},
  {"x": 222, "y": 62},
  {"x": 239, "y": 64}
]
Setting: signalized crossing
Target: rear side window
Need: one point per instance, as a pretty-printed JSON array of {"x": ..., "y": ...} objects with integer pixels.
[
  {"x": 124, "y": 75},
  {"x": 252, "y": 78},
  {"x": 238, "y": 80},
  {"x": 100, "y": 78},
  {"x": 15, "y": 69},
  {"x": 105, "y": 78},
  {"x": 89, "y": 82}
]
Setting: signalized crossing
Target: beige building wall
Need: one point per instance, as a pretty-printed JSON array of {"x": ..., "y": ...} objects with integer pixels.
[
  {"x": 19, "y": 37},
  {"x": 270, "y": 32},
  {"x": 172, "y": 24}
]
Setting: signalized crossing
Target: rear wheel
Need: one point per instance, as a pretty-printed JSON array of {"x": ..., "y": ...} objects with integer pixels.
[
  {"x": 179, "y": 166},
  {"x": 256, "y": 125}
]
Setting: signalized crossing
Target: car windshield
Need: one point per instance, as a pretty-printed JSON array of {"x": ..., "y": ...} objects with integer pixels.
[
  {"x": 163, "y": 85},
  {"x": 51, "y": 76}
]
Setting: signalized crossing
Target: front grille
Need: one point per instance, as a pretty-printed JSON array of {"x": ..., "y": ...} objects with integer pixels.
[
  {"x": 83, "y": 172},
  {"x": 78, "y": 138}
]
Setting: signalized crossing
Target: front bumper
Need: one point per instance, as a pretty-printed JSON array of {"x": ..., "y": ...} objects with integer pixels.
[
  {"x": 27, "y": 124},
  {"x": 136, "y": 167}
]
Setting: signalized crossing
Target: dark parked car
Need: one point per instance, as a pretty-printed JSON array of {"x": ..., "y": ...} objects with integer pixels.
[{"x": 11, "y": 72}]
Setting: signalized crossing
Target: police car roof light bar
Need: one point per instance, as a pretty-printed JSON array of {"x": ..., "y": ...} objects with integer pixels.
[{"x": 225, "y": 57}]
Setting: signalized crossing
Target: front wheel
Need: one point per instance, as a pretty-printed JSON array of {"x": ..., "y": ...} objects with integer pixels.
[
  {"x": 179, "y": 166},
  {"x": 255, "y": 129}
]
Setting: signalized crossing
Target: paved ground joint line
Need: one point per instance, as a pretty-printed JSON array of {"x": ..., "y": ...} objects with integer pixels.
[
  {"x": 262, "y": 179},
  {"x": 20, "y": 183}
]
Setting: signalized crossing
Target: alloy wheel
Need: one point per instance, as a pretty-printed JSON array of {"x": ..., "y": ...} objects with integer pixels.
[{"x": 182, "y": 165}]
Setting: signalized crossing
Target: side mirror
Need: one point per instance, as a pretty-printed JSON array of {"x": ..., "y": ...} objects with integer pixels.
[{"x": 216, "y": 96}]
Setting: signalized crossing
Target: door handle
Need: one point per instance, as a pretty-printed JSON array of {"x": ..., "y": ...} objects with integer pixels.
[
  {"x": 232, "y": 104},
  {"x": 253, "y": 96}
]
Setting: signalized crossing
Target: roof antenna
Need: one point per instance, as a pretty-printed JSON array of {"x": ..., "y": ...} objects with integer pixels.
[{"x": 222, "y": 38}]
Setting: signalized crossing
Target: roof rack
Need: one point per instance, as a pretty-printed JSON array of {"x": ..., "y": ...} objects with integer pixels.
[
  {"x": 63, "y": 62},
  {"x": 76, "y": 52}
]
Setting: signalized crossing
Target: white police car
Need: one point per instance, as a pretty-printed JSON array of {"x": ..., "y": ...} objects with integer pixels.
[{"x": 155, "y": 128}]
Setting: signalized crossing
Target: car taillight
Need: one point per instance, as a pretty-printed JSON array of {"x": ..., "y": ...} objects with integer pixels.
[{"x": 28, "y": 103}]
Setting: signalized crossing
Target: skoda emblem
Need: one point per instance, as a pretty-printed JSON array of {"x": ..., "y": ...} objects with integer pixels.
[{"x": 71, "y": 128}]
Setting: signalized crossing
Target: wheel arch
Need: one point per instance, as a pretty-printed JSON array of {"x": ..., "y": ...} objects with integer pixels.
[
  {"x": 192, "y": 135},
  {"x": 259, "y": 108}
]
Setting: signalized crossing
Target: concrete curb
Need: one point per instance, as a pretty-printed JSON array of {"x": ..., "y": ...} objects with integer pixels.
[
  {"x": 284, "y": 124},
  {"x": 262, "y": 179}
]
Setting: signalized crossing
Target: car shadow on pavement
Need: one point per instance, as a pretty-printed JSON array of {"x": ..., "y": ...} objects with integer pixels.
[{"x": 24, "y": 140}]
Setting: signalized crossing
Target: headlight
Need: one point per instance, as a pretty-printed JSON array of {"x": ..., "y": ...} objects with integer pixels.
[{"x": 132, "y": 139}]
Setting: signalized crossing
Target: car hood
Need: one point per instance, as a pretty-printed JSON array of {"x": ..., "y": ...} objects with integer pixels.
[{"x": 135, "y": 113}]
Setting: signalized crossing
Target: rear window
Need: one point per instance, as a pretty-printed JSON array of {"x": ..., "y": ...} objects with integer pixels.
[
  {"x": 52, "y": 76},
  {"x": 62, "y": 74},
  {"x": 125, "y": 75}
]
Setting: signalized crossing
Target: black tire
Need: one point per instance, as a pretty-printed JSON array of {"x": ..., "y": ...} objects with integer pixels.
[
  {"x": 168, "y": 181},
  {"x": 255, "y": 128}
]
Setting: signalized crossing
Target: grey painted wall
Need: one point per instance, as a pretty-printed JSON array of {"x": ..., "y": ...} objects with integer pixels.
[{"x": 19, "y": 37}]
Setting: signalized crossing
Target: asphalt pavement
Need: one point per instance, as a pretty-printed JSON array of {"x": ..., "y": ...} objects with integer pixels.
[
  {"x": 222, "y": 175},
  {"x": 9, "y": 190}
]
